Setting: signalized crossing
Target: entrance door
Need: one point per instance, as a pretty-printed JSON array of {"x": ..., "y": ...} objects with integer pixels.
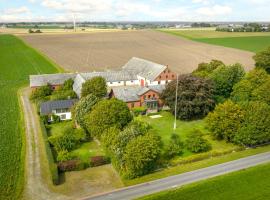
[{"x": 142, "y": 82}]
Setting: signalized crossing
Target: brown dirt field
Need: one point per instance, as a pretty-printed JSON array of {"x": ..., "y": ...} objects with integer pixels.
[{"x": 102, "y": 51}]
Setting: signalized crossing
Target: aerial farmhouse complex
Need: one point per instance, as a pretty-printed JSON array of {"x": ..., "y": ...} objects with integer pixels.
[{"x": 139, "y": 83}]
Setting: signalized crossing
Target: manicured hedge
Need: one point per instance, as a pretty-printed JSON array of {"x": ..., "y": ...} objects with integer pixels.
[{"x": 52, "y": 165}]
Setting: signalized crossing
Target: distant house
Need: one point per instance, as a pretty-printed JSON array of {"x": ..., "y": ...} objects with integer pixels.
[
  {"x": 61, "y": 108},
  {"x": 136, "y": 83}
]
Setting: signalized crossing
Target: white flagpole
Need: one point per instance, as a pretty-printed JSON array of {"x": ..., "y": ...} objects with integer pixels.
[{"x": 175, "y": 107}]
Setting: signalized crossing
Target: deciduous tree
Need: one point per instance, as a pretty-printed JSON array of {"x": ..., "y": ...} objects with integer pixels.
[
  {"x": 195, "y": 97},
  {"x": 96, "y": 86}
]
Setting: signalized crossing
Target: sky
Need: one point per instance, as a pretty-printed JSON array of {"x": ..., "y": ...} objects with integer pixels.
[{"x": 134, "y": 10}]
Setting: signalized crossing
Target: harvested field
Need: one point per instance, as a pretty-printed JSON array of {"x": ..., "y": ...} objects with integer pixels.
[{"x": 101, "y": 51}]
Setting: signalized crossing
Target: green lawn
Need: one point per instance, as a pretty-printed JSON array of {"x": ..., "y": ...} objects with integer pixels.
[
  {"x": 88, "y": 150},
  {"x": 85, "y": 150},
  {"x": 254, "y": 42},
  {"x": 17, "y": 62},
  {"x": 252, "y": 183},
  {"x": 164, "y": 127},
  {"x": 58, "y": 128}
]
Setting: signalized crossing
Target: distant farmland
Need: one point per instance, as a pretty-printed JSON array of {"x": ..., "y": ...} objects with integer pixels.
[
  {"x": 249, "y": 41},
  {"x": 101, "y": 51}
]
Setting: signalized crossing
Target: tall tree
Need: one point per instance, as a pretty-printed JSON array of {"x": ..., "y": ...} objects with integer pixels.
[
  {"x": 195, "y": 97},
  {"x": 106, "y": 114},
  {"x": 96, "y": 86},
  {"x": 225, "y": 121},
  {"x": 225, "y": 77},
  {"x": 255, "y": 128},
  {"x": 251, "y": 86}
]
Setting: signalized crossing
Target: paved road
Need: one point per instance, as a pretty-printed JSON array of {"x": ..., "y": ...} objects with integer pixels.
[{"x": 182, "y": 179}]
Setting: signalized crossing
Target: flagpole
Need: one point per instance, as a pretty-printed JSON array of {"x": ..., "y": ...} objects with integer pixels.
[{"x": 175, "y": 107}]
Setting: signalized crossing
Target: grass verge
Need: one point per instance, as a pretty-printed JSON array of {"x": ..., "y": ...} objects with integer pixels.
[
  {"x": 196, "y": 165},
  {"x": 251, "y": 183}
]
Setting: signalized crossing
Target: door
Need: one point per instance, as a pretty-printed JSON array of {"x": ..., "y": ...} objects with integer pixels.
[{"x": 142, "y": 82}]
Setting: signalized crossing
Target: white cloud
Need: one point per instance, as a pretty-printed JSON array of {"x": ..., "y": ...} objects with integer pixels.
[
  {"x": 13, "y": 11},
  {"x": 215, "y": 10}
]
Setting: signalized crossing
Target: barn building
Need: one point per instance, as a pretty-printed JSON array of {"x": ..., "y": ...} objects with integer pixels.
[{"x": 139, "y": 82}]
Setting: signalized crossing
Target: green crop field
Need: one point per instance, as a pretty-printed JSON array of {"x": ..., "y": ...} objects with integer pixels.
[
  {"x": 17, "y": 61},
  {"x": 255, "y": 42},
  {"x": 245, "y": 184}
]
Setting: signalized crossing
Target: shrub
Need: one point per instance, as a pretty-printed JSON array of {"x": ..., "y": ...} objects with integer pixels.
[
  {"x": 196, "y": 143},
  {"x": 225, "y": 121},
  {"x": 141, "y": 155},
  {"x": 41, "y": 92},
  {"x": 70, "y": 165},
  {"x": 195, "y": 97},
  {"x": 63, "y": 94},
  {"x": 98, "y": 161},
  {"x": 255, "y": 128},
  {"x": 56, "y": 119},
  {"x": 106, "y": 114},
  {"x": 64, "y": 155},
  {"x": 174, "y": 148},
  {"x": 68, "y": 140},
  {"x": 262, "y": 60},
  {"x": 138, "y": 111},
  {"x": 96, "y": 86}
]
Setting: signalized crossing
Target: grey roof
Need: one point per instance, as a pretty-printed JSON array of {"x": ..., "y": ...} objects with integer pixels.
[
  {"x": 53, "y": 79},
  {"x": 144, "y": 68},
  {"x": 157, "y": 88},
  {"x": 133, "y": 93},
  {"x": 48, "y": 106},
  {"x": 111, "y": 76},
  {"x": 127, "y": 93}
]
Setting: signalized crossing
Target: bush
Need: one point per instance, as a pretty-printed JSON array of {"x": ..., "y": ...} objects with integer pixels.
[
  {"x": 52, "y": 166},
  {"x": 98, "y": 161},
  {"x": 71, "y": 165},
  {"x": 41, "y": 93},
  {"x": 96, "y": 86},
  {"x": 63, "y": 94},
  {"x": 196, "y": 143},
  {"x": 139, "y": 111},
  {"x": 195, "y": 97},
  {"x": 262, "y": 60},
  {"x": 141, "y": 155},
  {"x": 68, "y": 140},
  {"x": 106, "y": 114},
  {"x": 174, "y": 148},
  {"x": 64, "y": 155},
  {"x": 56, "y": 119},
  {"x": 225, "y": 121},
  {"x": 255, "y": 128}
]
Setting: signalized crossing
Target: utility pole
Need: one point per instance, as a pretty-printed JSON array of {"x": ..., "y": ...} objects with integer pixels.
[{"x": 175, "y": 107}]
